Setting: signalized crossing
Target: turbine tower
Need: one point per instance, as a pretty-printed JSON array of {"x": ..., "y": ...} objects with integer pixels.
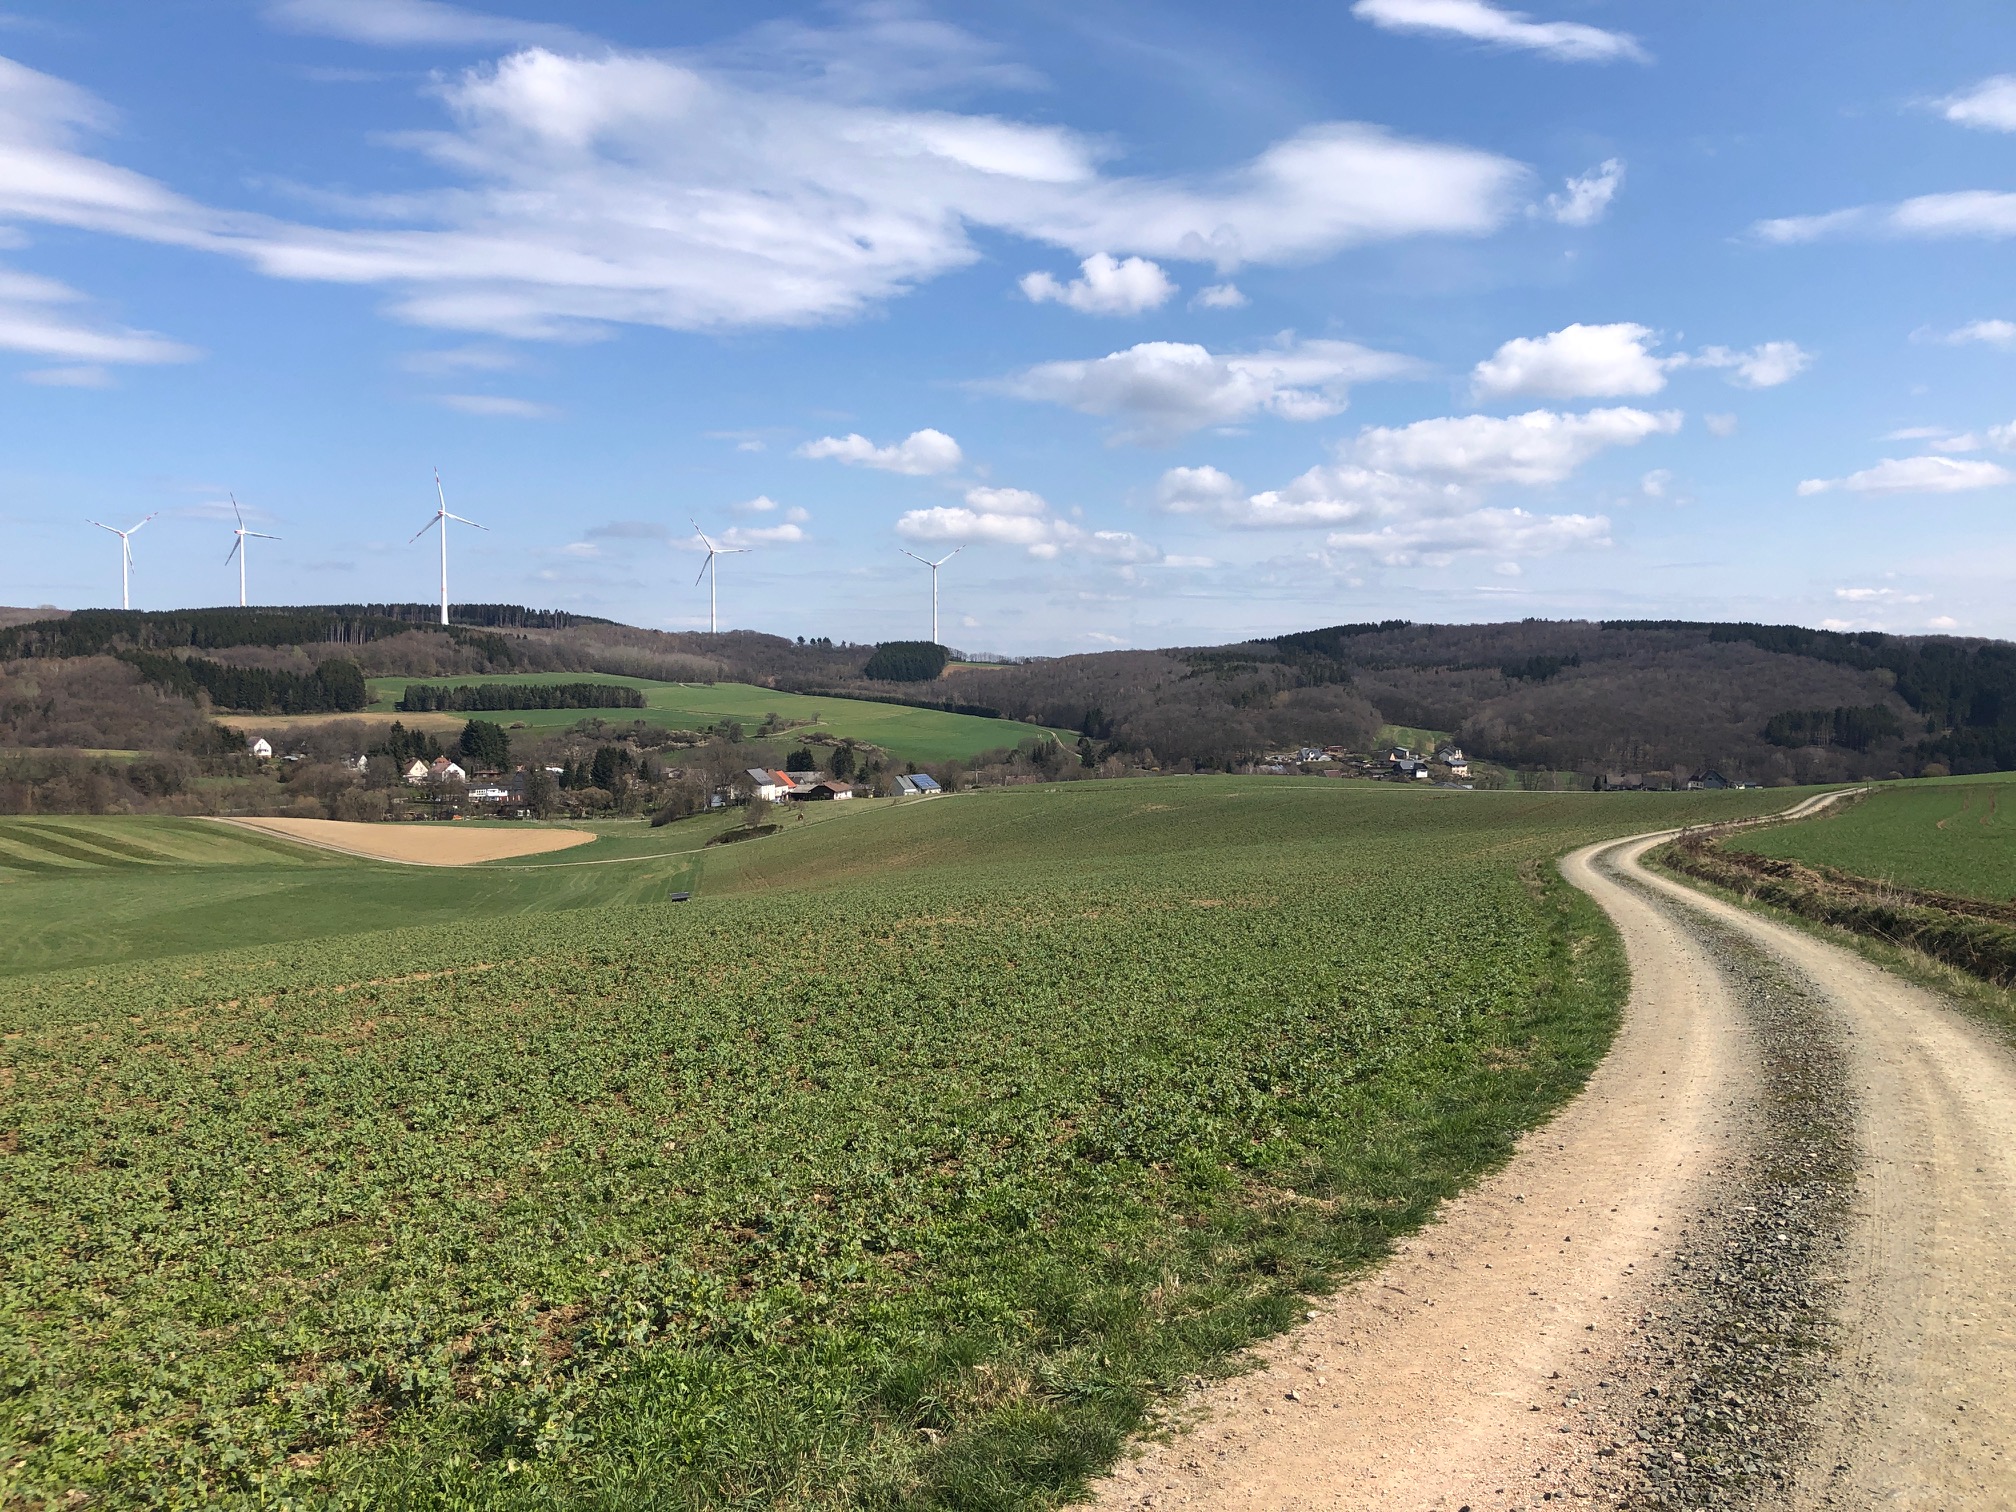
[
  {"x": 707, "y": 571},
  {"x": 934, "y": 566},
  {"x": 441, "y": 518},
  {"x": 125, "y": 559},
  {"x": 238, "y": 546}
]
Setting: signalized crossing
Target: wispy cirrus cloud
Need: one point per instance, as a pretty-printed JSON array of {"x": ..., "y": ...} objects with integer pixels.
[
  {"x": 1476, "y": 21},
  {"x": 589, "y": 186},
  {"x": 1988, "y": 213},
  {"x": 497, "y": 407},
  {"x": 44, "y": 318},
  {"x": 1914, "y": 475}
]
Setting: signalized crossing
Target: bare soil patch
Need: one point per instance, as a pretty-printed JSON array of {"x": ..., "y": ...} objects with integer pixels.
[{"x": 419, "y": 844}]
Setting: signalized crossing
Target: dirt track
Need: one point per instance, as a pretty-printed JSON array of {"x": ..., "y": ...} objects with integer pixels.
[
  {"x": 1626, "y": 1314},
  {"x": 419, "y": 844}
]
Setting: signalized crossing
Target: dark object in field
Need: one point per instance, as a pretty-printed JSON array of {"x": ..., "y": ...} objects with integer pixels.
[
  {"x": 677, "y": 897},
  {"x": 729, "y": 837},
  {"x": 906, "y": 661},
  {"x": 429, "y": 698}
]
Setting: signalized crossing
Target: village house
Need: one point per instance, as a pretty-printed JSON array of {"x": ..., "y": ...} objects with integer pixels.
[
  {"x": 416, "y": 771},
  {"x": 769, "y": 787},
  {"x": 259, "y": 747},
  {"x": 440, "y": 769}
]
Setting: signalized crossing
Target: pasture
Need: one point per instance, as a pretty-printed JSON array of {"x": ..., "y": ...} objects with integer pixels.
[
  {"x": 1955, "y": 837},
  {"x": 906, "y": 1166},
  {"x": 910, "y": 734}
]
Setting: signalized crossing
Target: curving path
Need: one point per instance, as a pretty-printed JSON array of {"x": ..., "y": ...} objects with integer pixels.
[{"x": 1511, "y": 1354}]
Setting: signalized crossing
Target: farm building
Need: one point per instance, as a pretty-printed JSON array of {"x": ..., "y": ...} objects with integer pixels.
[
  {"x": 260, "y": 747},
  {"x": 916, "y": 784},
  {"x": 440, "y": 769},
  {"x": 490, "y": 793},
  {"x": 825, "y": 788},
  {"x": 769, "y": 787}
]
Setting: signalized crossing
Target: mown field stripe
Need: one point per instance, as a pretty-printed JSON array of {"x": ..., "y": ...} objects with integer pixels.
[
  {"x": 36, "y": 839},
  {"x": 108, "y": 842}
]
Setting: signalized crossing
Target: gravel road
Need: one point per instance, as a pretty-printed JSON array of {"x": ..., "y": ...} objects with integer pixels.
[{"x": 1767, "y": 1258}]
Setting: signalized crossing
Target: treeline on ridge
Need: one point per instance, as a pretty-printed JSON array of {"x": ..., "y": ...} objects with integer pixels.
[{"x": 424, "y": 698}]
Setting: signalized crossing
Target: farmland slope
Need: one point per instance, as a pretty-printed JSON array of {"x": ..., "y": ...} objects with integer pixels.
[
  {"x": 910, "y": 1164},
  {"x": 1953, "y": 837}
]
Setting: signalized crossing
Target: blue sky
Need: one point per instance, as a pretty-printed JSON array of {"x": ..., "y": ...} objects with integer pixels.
[{"x": 1184, "y": 322}]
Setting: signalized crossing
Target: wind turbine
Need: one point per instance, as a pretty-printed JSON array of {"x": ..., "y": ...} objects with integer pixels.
[
  {"x": 441, "y": 518},
  {"x": 707, "y": 571},
  {"x": 238, "y": 546},
  {"x": 125, "y": 559},
  {"x": 934, "y": 566}
]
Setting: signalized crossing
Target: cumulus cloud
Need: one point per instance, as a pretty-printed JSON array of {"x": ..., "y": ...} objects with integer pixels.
[
  {"x": 45, "y": 318},
  {"x": 1908, "y": 475},
  {"x": 1617, "y": 361},
  {"x": 920, "y": 454},
  {"x": 1164, "y": 389},
  {"x": 1989, "y": 213},
  {"x": 1585, "y": 200},
  {"x": 1539, "y": 447},
  {"x": 1420, "y": 493},
  {"x": 592, "y": 187},
  {"x": 1988, "y": 106},
  {"x": 748, "y": 537},
  {"x": 1017, "y": 517},
  {"x": 1224, "y": 296},
  {"x": 1105, "y": 287},
  {"x": 1578, "y": 360},
  {"x": 1565, "y": 41}
]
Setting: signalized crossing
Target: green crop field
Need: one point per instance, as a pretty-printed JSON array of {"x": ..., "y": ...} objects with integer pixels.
[
  {"x": 904, "y": 1167},
  {"x": 1957, "y": 836},
  {"x": 910, "y": 734}
]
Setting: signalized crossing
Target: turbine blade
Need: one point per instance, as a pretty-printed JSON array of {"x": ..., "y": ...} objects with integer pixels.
[
  {"x": 468, "y": 522},
  {"x": 236, "y": 510},
  {"x": 703, "y": 569},
  {"x": 232, "y": 552},
  {"x": 949, "y": 555},
  {"x": 424, "y": 529},
  {"x": 119, "y": 533},
  {"x": 143, "y": 522},
  {"x": 263, "y": 536}
]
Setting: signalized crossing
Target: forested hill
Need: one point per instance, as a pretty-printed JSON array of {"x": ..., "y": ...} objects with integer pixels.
[{"x": 1764, "y": 703}]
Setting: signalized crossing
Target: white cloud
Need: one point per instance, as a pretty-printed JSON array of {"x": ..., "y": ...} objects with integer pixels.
[
  {"x": 1988, "y": 106},
  {"x": 1721, "y": 425},
  {"x": 1942, "y": 622},
  {"x": 1538, "y": 447},
  {"x": 1585, "y": 200},
  {"x": 1223, "y": 296},
  {"x": 497, "y": 406},
  {"x": 1655, "y": 483},
  {"x": 46, "y": 319},
  {"x": 1880, "y": 596},
  {"x": 81, "y": 375},
  {"x": 1419, "y": 493},
  {"x": 599, "y": 187},
  {"x": 1765, "y": 366},
  {"x": 413, "y": 23},
  {"x": 2001, "y": 333},
  {"x": 920, "y": 454},
  {"x": 1106, "y": 287},
  {"x": 747, "y": 537},
  {"x": 1566, "y": 41},
  {"x": 1436, "y": 542},
  {"x": 1611, "y": 361},
  {"x": 1164, "y": 389},
  {"x": 1965, "y": 212},
  {"x": 1579, "y": 360},
  {"x": 1017, "y": 517},
  {"x": 1906, "y": 475},
  {"x": 467, "y": 359},
  {"x": 761, "y": 504}
]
